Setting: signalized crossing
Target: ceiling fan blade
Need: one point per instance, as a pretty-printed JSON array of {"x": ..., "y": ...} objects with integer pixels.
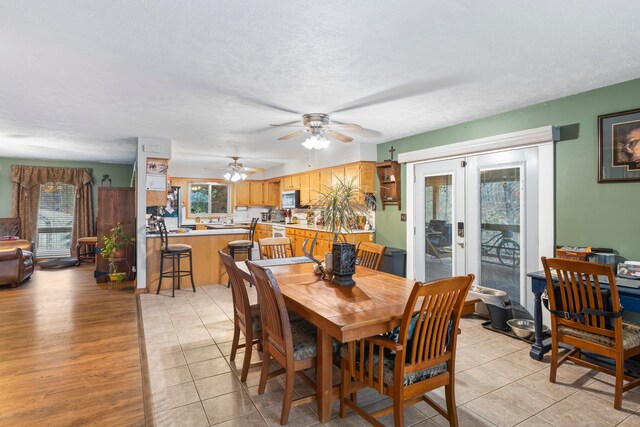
[
  {"x": 399, "y": 92},
  {"x": 252, "y": 170},
  {"x": 349, "y": 126},
  {"x": 341, "y": 137},
  {"x": 291, "y": 135},
  {"x": 364, "y": 131},
  {"x": 295, "y": 123},
  {"x": 269, "y": 105}
]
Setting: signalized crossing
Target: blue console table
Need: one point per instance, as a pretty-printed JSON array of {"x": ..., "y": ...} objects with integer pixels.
[{"x": 629, "y": 298}]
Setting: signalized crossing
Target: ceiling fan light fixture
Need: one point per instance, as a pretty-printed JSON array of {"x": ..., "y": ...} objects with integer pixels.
[
  {"x": 235, "y": 176},
  {"x": 316, "y": 142}
]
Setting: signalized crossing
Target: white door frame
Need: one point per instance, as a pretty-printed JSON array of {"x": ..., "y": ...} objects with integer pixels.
[{"x": 543, "y": 138}]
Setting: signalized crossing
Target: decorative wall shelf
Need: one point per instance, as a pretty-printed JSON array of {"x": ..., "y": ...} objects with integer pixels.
[{"x": 389, "y": 180}]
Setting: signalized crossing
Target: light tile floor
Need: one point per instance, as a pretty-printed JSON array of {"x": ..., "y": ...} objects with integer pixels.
[{"x": 193, "y": 382}]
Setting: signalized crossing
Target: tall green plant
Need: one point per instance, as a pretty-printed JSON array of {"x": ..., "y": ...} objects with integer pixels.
[
  {"x": 117, "y": 240},
  {"x": 339, "y": 206}
]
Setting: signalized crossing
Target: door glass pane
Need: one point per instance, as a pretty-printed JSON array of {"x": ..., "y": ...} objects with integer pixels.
[
  {"x": 438, "y": 217},
  {"x": 500, "y": 204},
  {"x": 55, "y": 219}
]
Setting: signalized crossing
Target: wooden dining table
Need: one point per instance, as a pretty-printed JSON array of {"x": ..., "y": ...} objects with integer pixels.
[{"x": 347, "y": 313}]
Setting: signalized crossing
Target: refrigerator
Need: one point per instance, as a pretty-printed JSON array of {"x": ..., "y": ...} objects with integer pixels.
[{"x": 172, "y": 212}]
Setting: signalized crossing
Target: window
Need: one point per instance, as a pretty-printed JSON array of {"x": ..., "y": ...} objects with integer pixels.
[
  {"x": 55, "y": 219},
  {"x": 209, "y": 198}
]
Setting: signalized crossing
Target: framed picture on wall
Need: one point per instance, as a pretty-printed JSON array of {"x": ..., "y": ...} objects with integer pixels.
[{"x": 619, "y": 146}]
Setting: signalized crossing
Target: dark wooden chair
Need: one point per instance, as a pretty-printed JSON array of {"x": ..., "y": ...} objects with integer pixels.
[
  {"x": 589, "y": 317},
  {"x": 246, "y": 317},
  {"x": 291, "y": 344},
  {"x": 421, "y": 359},
  {"x": 275, "y": 247},
  {"x": 370, "y": 255},
  {"x": 175, "y": 253},
  {"x": 244, "y": 245}
]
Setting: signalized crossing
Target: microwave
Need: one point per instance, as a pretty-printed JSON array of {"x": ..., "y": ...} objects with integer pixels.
[{"x": 291, "y": 199}]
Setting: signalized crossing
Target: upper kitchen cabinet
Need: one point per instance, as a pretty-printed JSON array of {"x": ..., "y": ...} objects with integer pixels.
[
  {"x": 305, "y": 194},
  {"x": 255, "y": 197},
  {"x": 243, "y": 193},
  {"x": 271, "y": 193},
  {"x": 314, "y": 187},
  {"x": 291, "y": 183}
]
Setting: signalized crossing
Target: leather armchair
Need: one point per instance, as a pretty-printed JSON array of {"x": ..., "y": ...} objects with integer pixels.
[{"x": 16, "y": 265}]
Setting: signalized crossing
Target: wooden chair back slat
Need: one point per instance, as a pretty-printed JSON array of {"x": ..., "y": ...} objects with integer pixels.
[
  {"x": 275, "y": 318},
  {"x": 370, "y": 255},
  {"x": 275, "y": 247},
  {"x": 241, "y": 306},
  {"x": 579, "y": 288},
  {"x": 440, "y": 305}
]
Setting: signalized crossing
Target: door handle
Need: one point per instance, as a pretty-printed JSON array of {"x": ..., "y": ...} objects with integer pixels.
[{"x": 461, "y": 244}]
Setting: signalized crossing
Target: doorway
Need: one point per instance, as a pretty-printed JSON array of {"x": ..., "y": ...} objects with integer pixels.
[{"x": 481, "y": 214}]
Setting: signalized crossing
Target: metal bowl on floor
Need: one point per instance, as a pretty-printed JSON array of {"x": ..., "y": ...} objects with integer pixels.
[{"x": 524, "y": 328}]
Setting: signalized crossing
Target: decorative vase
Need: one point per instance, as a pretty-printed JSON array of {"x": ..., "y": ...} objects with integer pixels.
[{"x": 344, "y": 263}]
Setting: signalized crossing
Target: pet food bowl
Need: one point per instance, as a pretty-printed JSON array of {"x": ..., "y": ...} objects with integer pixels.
[{"x": 524, "y": 328}]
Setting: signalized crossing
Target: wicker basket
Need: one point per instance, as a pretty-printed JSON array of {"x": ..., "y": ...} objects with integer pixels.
[{"x": 578, "y": 255}]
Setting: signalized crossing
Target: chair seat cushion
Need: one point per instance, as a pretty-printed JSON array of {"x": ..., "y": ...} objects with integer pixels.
[
  {"x": 178, "y": 247},
  {"x": 630, "y": 335},
  {"x": 305, "y": 340},
  {"x": 256, "y": 322},
  {"x": 88, "y": 240},
  {"x": 236, "y": 243},
  {"x": 389, "y": 366}
]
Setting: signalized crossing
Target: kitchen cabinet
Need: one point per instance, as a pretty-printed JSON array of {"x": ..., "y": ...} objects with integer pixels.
[
  {"x": 325, "y": 179},
  {"x": 337, "y": 174},
  {"x": 314, "y": 187},
  {"x": 305, "y": 196},
  {"x": 362, "y": 175},
  {"x": 262, "y": 232},
  {"x": 286, "y": 184},
  {"x": 255, "y": 197},
  {"x": 243, "y": 193},
  {"x": 156, "y": 198},
  {"x": 295, "y": 182}
]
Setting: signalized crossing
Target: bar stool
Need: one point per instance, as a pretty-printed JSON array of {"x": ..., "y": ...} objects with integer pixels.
[
  {"x": 175, "y": 252},
  {"x": 89, "y": 244},
  {"x": 243, "y": 245}
]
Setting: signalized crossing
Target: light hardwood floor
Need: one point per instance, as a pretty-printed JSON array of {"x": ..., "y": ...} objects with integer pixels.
[{"x": 69, "y": 352}]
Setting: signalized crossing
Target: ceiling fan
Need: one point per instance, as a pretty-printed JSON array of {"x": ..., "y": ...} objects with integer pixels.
[
  {"x": 237, "y": 172},
  {"x": 319, "y": 126}
]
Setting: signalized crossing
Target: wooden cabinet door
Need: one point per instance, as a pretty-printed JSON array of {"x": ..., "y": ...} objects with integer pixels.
[
  {"x": 314, "y": 187},
  {"x": 304, "y": 189},
  {"x": 255, "y": 197},
  {"x": 336, "y": 175},
  {"x": 367, "y": 177},
  {"x": 326, "y": 178},
  {"x": 115, "y": 206},
  {"x": 286, "y": 183},
  {"x": 295, "y": 182},
  {"x": 352, "y": 172},
  {"x": 243, "y": 193}
]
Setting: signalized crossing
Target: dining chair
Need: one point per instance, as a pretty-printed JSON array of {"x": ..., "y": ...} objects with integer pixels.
[
  {"x": 370, "y": 255},
  {"x": 246, "y": 317},
  {"x": 275, "y": 247},
  {"x": 291, "y": 344},
  {"x": 421, "y": 359},
  {"x": 588, "y": 316}
]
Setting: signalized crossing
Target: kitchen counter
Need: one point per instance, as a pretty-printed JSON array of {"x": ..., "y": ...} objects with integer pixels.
[
  {"x": 313, "y": 227},
  {"x": 205, "y": 244},
  {"x": 211, "y": 232}
]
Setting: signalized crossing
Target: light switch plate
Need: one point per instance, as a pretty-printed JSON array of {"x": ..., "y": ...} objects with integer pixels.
[{"x": 403, "y": 217}]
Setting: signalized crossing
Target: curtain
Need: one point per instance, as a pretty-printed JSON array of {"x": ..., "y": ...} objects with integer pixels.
[{"x": 26, "y": 197}]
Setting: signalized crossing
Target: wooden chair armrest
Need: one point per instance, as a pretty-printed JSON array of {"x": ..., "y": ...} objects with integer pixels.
[{"x": 385, "y": 342}]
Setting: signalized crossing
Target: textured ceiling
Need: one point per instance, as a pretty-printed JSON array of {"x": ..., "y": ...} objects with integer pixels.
[{"x": 79, "y": 80}]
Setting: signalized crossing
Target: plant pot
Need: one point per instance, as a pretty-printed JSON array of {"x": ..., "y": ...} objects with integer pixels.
[
  {"x": 117, "y": 277},
  {"x": 344, "y": 263}
]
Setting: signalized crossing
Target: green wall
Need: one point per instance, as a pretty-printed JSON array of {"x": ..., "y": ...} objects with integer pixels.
[
  {"x": 120, "y": 177},
  {"x": 587, "y": 213}
]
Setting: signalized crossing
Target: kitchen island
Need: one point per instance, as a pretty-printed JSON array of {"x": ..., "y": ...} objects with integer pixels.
[{"x": 207, "y": 267}]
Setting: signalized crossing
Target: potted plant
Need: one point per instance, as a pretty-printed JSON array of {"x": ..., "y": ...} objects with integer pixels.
[
  {"x": 115, "y": 245},
  {"x": 340, "y": 210}
]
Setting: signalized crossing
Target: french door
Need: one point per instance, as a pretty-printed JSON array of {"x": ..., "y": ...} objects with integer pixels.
[{"x": 479, "y": 214}]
